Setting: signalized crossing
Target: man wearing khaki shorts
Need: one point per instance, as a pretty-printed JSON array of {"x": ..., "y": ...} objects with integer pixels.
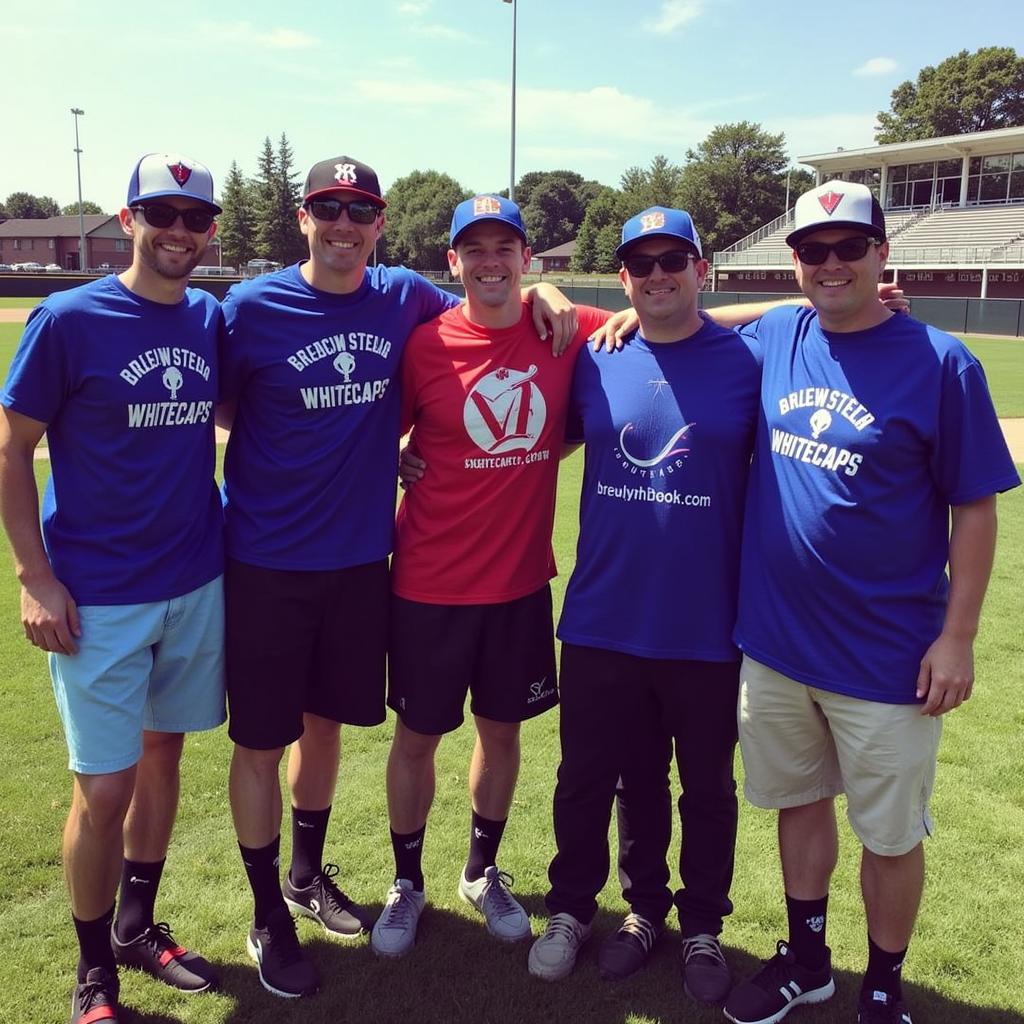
[{"x": 875, "y": 432}]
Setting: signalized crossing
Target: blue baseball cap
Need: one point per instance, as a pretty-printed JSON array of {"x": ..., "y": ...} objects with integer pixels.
[
  {"x": 481, "y": 208},
  {"x": 157, "y": 175},
  {"x": 659, "y": 221}
]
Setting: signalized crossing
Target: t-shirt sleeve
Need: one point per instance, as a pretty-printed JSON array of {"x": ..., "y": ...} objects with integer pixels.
[
  {"x": 38, "y": 381},
  {"x": 433, "y": 301},
  {"x": 230, "y": 351},
  {"x": 970, "y": 460}
]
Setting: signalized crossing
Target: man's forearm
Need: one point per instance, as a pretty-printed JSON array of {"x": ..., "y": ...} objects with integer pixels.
[
  {"x": 972, "y": 544},
  {"x": 19, "y": 510},
  {"x": 746, "y": 312}
]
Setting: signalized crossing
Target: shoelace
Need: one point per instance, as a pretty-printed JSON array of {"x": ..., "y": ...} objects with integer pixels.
[
  {"x": 702, "y": 945},
  {"x": 398, "y": 908},
  {"x": 338, "y": 900},
  {"x": 778, "y": 969},
  {"x": 95, "y": 993},
  {"x": 159, "y": 935},
  {"x": 564, "y": 927},
  {"x": 498, "y": 894},
  {"x": 639, "y": 929}
]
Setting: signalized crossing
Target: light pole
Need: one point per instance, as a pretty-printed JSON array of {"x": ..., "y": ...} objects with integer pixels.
[
  {"x": 512, "y": 157},
  {"x": 81, "y": 216}
]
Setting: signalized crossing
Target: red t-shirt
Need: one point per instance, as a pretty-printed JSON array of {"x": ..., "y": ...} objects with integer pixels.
[{"x": 488, "y": 407}]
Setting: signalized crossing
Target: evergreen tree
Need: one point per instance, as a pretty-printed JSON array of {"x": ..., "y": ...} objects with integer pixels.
[{"x": 236, "y": 226}]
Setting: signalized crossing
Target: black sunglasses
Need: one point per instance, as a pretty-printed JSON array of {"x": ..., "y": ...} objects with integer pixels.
[
  {"x": 360, "y": 211},
  {"x": 847, "y": 250},
  {"x": 671, "y": 262},
  {"x": 163, "y": 215}
]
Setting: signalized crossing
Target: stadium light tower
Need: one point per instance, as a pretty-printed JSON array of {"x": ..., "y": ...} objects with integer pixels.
[
  {"x": 77, "y": 112},
  {"x": 512, "y": 158}
]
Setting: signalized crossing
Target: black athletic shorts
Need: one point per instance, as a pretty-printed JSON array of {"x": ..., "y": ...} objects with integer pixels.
[
  {"x": 303, "y": 641},
  {"x": 502, "y": 654}
]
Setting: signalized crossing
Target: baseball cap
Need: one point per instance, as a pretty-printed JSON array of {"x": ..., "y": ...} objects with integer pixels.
[
  {"x": 836, "y": 204},
  {"x": 659, "y": 221},
  {"x": 169, "y": 174},
  {"x": 481, "y": 208},
  {"x": 342, "y": 172}
]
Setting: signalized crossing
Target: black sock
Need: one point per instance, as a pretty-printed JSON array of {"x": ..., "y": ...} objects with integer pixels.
[
  {"x": 409, "y": 856},
  {"x": 484, "y": 839},
  {"x": 262, "y": 867},
  {"x": 94, "y": 944},
  {"x": 139, "y": 882},
  {"x": 309, "y": 831},
  {"x": 807, "y": 920},
  {"x": 884, "y": 973}
]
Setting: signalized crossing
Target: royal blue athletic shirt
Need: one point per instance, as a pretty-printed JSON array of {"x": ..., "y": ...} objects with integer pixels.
[
  {"x": 311, "y": 464},
  {"x": 865, "y": 440},
  {"x": 669, "y": 430},
  {"x": 126, "y": 387}
]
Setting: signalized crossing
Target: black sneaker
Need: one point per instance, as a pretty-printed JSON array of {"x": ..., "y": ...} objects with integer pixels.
[
  {"x": 94, "y": 1000},
  {"x": 779, "y": 986},
  {"x": 284, "y": 969},
  {"x": 156, "y": 953},
  {"x": 323, "y": 901},
  {"x": 627, "y": 950},
  {"x": 881, "y": 1008},
  {"x": 706, "y": 976}
]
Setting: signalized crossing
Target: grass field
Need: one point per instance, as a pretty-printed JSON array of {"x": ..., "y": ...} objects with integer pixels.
[{"x": 965, "y": 965}]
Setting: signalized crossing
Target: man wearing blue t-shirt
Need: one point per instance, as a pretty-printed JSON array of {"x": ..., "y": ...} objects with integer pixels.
[
  {"x": 309, "y": 364},
  {"x": 648, "y": 663},
  {"x": 876, "y": 432},
  {"x": 122, "y": 586}
]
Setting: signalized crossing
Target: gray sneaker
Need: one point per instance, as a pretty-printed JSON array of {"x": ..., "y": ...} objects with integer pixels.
[
  {"x": 395, "y": 930},
  {"x": 706, "y": 976},
  {"x": 506, "y": 919},
  {"x": 553, "y": 955}
]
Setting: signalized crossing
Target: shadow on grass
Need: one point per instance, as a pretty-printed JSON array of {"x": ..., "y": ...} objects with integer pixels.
[{"x": 457, "y": 973}]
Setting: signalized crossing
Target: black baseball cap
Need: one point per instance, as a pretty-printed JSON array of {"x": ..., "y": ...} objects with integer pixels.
[{"x": 343, "y": 173}]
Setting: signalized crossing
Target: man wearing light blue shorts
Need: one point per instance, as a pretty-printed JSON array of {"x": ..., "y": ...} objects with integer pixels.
[{"x": 123, "y": 583}]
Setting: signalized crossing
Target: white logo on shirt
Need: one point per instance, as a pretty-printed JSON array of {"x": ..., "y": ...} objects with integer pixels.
[
  {"x": 172, "y": 380},
  {"x": 505, "y": 411},
  {"x": 820, "y": 422},
  {"x": 345, "y": 363}
]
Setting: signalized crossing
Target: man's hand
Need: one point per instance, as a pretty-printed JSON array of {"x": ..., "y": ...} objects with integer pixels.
[
  {"x": 891, "y": 296},
  {"x": 946, "y": 678},
  {"x": 612, "y": 335},
  {"x": 553, "y": 313},
  {"x": 410, "y": 466},
  {"x": 50, "y": 616}
]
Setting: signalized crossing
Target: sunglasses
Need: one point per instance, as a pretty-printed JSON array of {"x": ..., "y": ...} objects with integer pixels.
[
  {"x": 360, "y": 211},
  {"x": 672, "y": 262},
  {"x": 847, "y": 250},
  {"x": 163, "y": 215}
]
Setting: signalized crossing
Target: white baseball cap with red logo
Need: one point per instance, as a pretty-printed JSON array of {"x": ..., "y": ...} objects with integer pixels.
[
  {"x": 158, "y": 175},
  {"x": 837, "y": 204}
]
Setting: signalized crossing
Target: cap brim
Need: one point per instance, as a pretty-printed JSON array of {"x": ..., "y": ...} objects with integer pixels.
[
  {"x": 376, "y": 200},
  {"x": 483, "y": 220},
  {"x": 624, "y": 248},
  {"x": 794, "y": 238}
]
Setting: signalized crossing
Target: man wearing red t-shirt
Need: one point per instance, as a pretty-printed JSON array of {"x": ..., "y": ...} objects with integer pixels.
[{"x": 471, "y": 608}]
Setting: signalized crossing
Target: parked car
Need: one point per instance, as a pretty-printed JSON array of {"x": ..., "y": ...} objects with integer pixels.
[
  {"x": 5, "y": 268},
  {"x": 54, "y": 268},
  {"x": 29, "y": 268}
]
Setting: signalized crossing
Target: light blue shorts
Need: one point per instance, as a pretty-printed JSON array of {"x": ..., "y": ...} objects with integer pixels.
[{"x": 156, "y": 666}]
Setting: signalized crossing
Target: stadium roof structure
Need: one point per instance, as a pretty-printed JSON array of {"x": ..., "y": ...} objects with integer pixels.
[{"x": 52, "y": 227}]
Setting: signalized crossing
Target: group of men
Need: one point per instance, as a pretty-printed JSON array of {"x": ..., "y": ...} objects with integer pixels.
[{"x": 866, "y": 428}]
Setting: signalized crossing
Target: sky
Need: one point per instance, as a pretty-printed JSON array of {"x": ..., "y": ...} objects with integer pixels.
[{"x": 408, "y": 85}]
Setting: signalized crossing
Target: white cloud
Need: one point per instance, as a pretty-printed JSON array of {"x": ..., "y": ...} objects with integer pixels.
[
  {"x": 877, "y": 66},
  {"x": 244, "y": 33},
  {"x": 673, "y": 14}
]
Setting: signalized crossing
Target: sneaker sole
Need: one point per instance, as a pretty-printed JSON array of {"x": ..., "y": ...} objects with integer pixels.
[
  {"x": 209, "y": 986},
  {"x": 254, "y": 954},
  {"x": 510, "y": 939},
  {"x": 815, "y": 995},
  {"x": 545, "y": 973},
  {"x": 304, "y": 911}
]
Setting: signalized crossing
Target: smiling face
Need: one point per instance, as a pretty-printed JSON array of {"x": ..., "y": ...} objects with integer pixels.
[
  {"x": 338, "y": 250},
  {"x": 170, "y": 253},
  {"x": 845, "y": 293},
  {"x": 665, "y": 303},
  {"x": 490, "y": 259}
]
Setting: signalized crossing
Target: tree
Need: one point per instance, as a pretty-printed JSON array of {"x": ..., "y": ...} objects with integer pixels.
[
  {"x": 655, "y": 186},
  {"x": 276, "y": 199},
  {"x": 553, "y": 204},
  {"x": 71, "y": 210},
  {"x": 601, "y": 232},
  {"x": 968, "y": 92},
  {"x": 419, "y": 217},
  {"x": 733, "y": 183},
  {"x": 24, "y": 204},
  {"x": 236, "y": 226}
]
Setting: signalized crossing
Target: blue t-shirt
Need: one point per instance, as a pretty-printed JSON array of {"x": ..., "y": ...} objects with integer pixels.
[
  {"x": 865, "y": 440},
  {"x": 669, "y": 430},
  {"x": 311, "y": 464},
  {"x": 126, "y": 387}
]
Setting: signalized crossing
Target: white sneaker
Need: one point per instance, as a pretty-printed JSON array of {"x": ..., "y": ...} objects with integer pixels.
[
  {"x": 553, "y": 955},
  {"x": 505, "y": 917},
  {"x": 395, "y": 930}
]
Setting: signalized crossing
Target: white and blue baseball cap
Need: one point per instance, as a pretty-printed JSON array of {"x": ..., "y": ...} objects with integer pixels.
[
  {"x": 158, "y": 175},
  {"x": 482, "y": 208},
  {"x": 659, "y": 222}
]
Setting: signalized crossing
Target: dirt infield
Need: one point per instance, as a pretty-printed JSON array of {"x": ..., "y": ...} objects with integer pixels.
[{"x": 13, "y": 316}]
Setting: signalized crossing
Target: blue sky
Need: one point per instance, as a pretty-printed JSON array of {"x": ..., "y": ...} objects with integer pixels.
[{"x": 418, "y": 84}]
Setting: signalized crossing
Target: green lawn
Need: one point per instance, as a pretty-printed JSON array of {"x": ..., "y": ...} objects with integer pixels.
[{"x": 965, "y": 965}]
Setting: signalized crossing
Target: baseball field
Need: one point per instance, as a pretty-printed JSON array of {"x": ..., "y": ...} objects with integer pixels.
[{"x": 965, "y": 966}]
